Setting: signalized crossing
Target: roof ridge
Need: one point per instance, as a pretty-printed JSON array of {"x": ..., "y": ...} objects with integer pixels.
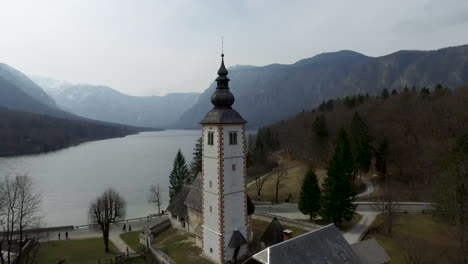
[{"x": 312, "y": 231}]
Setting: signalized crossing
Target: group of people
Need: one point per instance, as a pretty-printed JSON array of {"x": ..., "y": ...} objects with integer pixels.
[
  {"x": 66, "y": 235},
  {"x": 124, "y": 228}
]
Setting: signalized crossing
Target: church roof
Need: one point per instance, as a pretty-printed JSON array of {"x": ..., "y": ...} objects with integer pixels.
[
  {"x": 177, "y": 206},
  {"x": 222, "y": 100},
  {"x": 250, "y": 206},
  {"x": 194, "y": 198},
  {"x": 237, "y": 240},
  {"x": 273, "y": 234},
  {"x": 223, "y": 116},
  {"x": 324, "y": 245}
]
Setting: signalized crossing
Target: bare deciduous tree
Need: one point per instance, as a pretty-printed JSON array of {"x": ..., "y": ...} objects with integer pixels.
[
  {"x": 259, "y": 182},
  {"x": 19, "y": 208},
  {"x": 105, "y": 210},
  {"x": 155, "y": 197},
  {"x": 280, "y": 177},
  {"x": 388, "y": 203}
]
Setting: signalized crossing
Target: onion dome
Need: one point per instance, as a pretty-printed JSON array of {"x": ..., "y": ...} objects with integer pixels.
[
  {"x": 222, "y": 97},
  {"x": 222, "y": 100}
]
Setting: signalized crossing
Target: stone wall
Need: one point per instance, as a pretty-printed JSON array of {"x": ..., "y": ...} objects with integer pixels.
[
  {"x": 146, "y": 239},
  {"x": 160, "y": 256}
]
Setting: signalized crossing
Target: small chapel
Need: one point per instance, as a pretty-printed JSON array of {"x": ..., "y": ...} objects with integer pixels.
[{"x": 216, "y": 207}]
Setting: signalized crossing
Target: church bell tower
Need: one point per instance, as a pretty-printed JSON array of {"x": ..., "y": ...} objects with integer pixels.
[{"x": 225, "y": 218}]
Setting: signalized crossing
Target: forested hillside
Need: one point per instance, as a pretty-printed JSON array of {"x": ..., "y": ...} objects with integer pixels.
[
  {"x": 28, "y": 133},
  {"x": 275, "y": 92},
  {"x": 410, "y": 134}
]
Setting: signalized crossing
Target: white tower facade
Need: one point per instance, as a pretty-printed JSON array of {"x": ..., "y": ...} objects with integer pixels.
[{"x": 225, "y": 217}]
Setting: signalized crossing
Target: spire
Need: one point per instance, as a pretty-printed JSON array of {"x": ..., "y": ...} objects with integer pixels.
[
  {"x": 222, "y": 69},
  {"x": 222, "y": 100},
  {"x": 222, "y": 97}
]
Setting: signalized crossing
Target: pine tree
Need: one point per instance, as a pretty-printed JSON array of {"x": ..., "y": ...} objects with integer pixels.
[
  {"x": 338, "y": 188},
  {"x": 385, "y": 94},
  {"x": 179, "y": 175},
  {"x": 196, "y": 165},
  {"x": 451, "y": 194},
  {"x": 309, "y": 202},
  {"x": 360, "y": 144},
  {"x": 320, "y": 128}
]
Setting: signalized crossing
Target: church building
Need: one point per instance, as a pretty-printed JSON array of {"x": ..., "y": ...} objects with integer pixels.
[
  {"x": 216, "y": 207},
  {"x": 225, "y": 219}
]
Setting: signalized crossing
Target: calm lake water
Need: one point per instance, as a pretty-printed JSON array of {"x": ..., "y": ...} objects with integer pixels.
[{"x": 68, "y": 180}]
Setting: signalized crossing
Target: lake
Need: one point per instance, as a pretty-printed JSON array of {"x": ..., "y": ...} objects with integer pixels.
[{"x": 69, "y": 179}]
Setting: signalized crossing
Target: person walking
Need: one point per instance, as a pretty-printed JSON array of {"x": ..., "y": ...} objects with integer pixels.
[
  {"x": 59, "y": 235},
  {"x": 66, "y": 235},
  {"x": 129, "y": 228},
  {"x": 124, "y": 228}
]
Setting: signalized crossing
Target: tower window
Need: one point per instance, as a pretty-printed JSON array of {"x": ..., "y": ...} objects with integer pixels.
[
  {"x": 233, "y": 167},
  {"x": 211, "y": 209},
  {"x": 232, "y": 138},
  {"x": 211, "y": 250},
  {"x": 210, "y": 137},
  {"x": 211, "y": 184}
]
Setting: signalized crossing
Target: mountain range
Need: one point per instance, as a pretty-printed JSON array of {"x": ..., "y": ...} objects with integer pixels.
[
  {"x": 106, "y": 104},
  {"x": 275, "y": 92},
  {"x": 18, "y": 92}
]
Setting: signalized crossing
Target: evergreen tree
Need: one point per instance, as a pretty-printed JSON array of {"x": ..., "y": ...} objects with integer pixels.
[
  {"x": 385, "y": 94},
  {"x": 338, "y": 188},
  {"x": 451, "y": 195},
  {"x": 196, "y": 165},
  {"x": 320, "y": 129},
  {"x": 179, "y": 175},
  {"x": 309, "y": 202},
  {"x": 266, "y": 142},
  {"x": 360, "y": 143}
]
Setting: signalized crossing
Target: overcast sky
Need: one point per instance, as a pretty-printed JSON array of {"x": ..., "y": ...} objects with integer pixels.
[{"x": 150, "y": 47}]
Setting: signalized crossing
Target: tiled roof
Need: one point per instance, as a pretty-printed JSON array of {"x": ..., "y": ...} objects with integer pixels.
[
  {"x": 273, "y": 234},
  {"x": 322, "y": 246},
  {"x": 237, "y": 240},
  {"x": 194, "y": 198},
  {"x": 177, "y": 206}
]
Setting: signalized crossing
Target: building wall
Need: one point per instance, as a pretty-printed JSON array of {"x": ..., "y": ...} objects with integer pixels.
[
  {"x": 224, "y": 194},
  {"x": 177, "y": 222},
  {"x": 211, "y": 193},
  {"x": 194, "y": 219},
  {"x": 235, "y": 199}
]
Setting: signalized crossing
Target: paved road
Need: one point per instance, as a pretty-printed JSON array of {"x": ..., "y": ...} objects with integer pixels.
[
  {"x": 292, "y": 208},
  {"x": 114, "y": 235},
  {"x": 370, "y": 188}
]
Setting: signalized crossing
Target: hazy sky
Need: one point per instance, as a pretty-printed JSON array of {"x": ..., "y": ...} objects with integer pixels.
[{"x": 150, "y": 47}]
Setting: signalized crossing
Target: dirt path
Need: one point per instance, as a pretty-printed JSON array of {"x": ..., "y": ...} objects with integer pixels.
[{"x": 119, "y": 243}]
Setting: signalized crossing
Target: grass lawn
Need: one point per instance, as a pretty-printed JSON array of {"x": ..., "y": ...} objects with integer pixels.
[
  {"x": 259, "y": 227},
  {"x": 180, "y": 246},
  {"x": 292, "y": 185},
  {"x": 419, "y": 235},
  {"x": 74, "y": 251},
  {"x": 133, "y": 240}
]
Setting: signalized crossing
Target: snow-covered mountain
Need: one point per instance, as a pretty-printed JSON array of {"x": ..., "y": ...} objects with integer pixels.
[{"x": 106, "y": 104}]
